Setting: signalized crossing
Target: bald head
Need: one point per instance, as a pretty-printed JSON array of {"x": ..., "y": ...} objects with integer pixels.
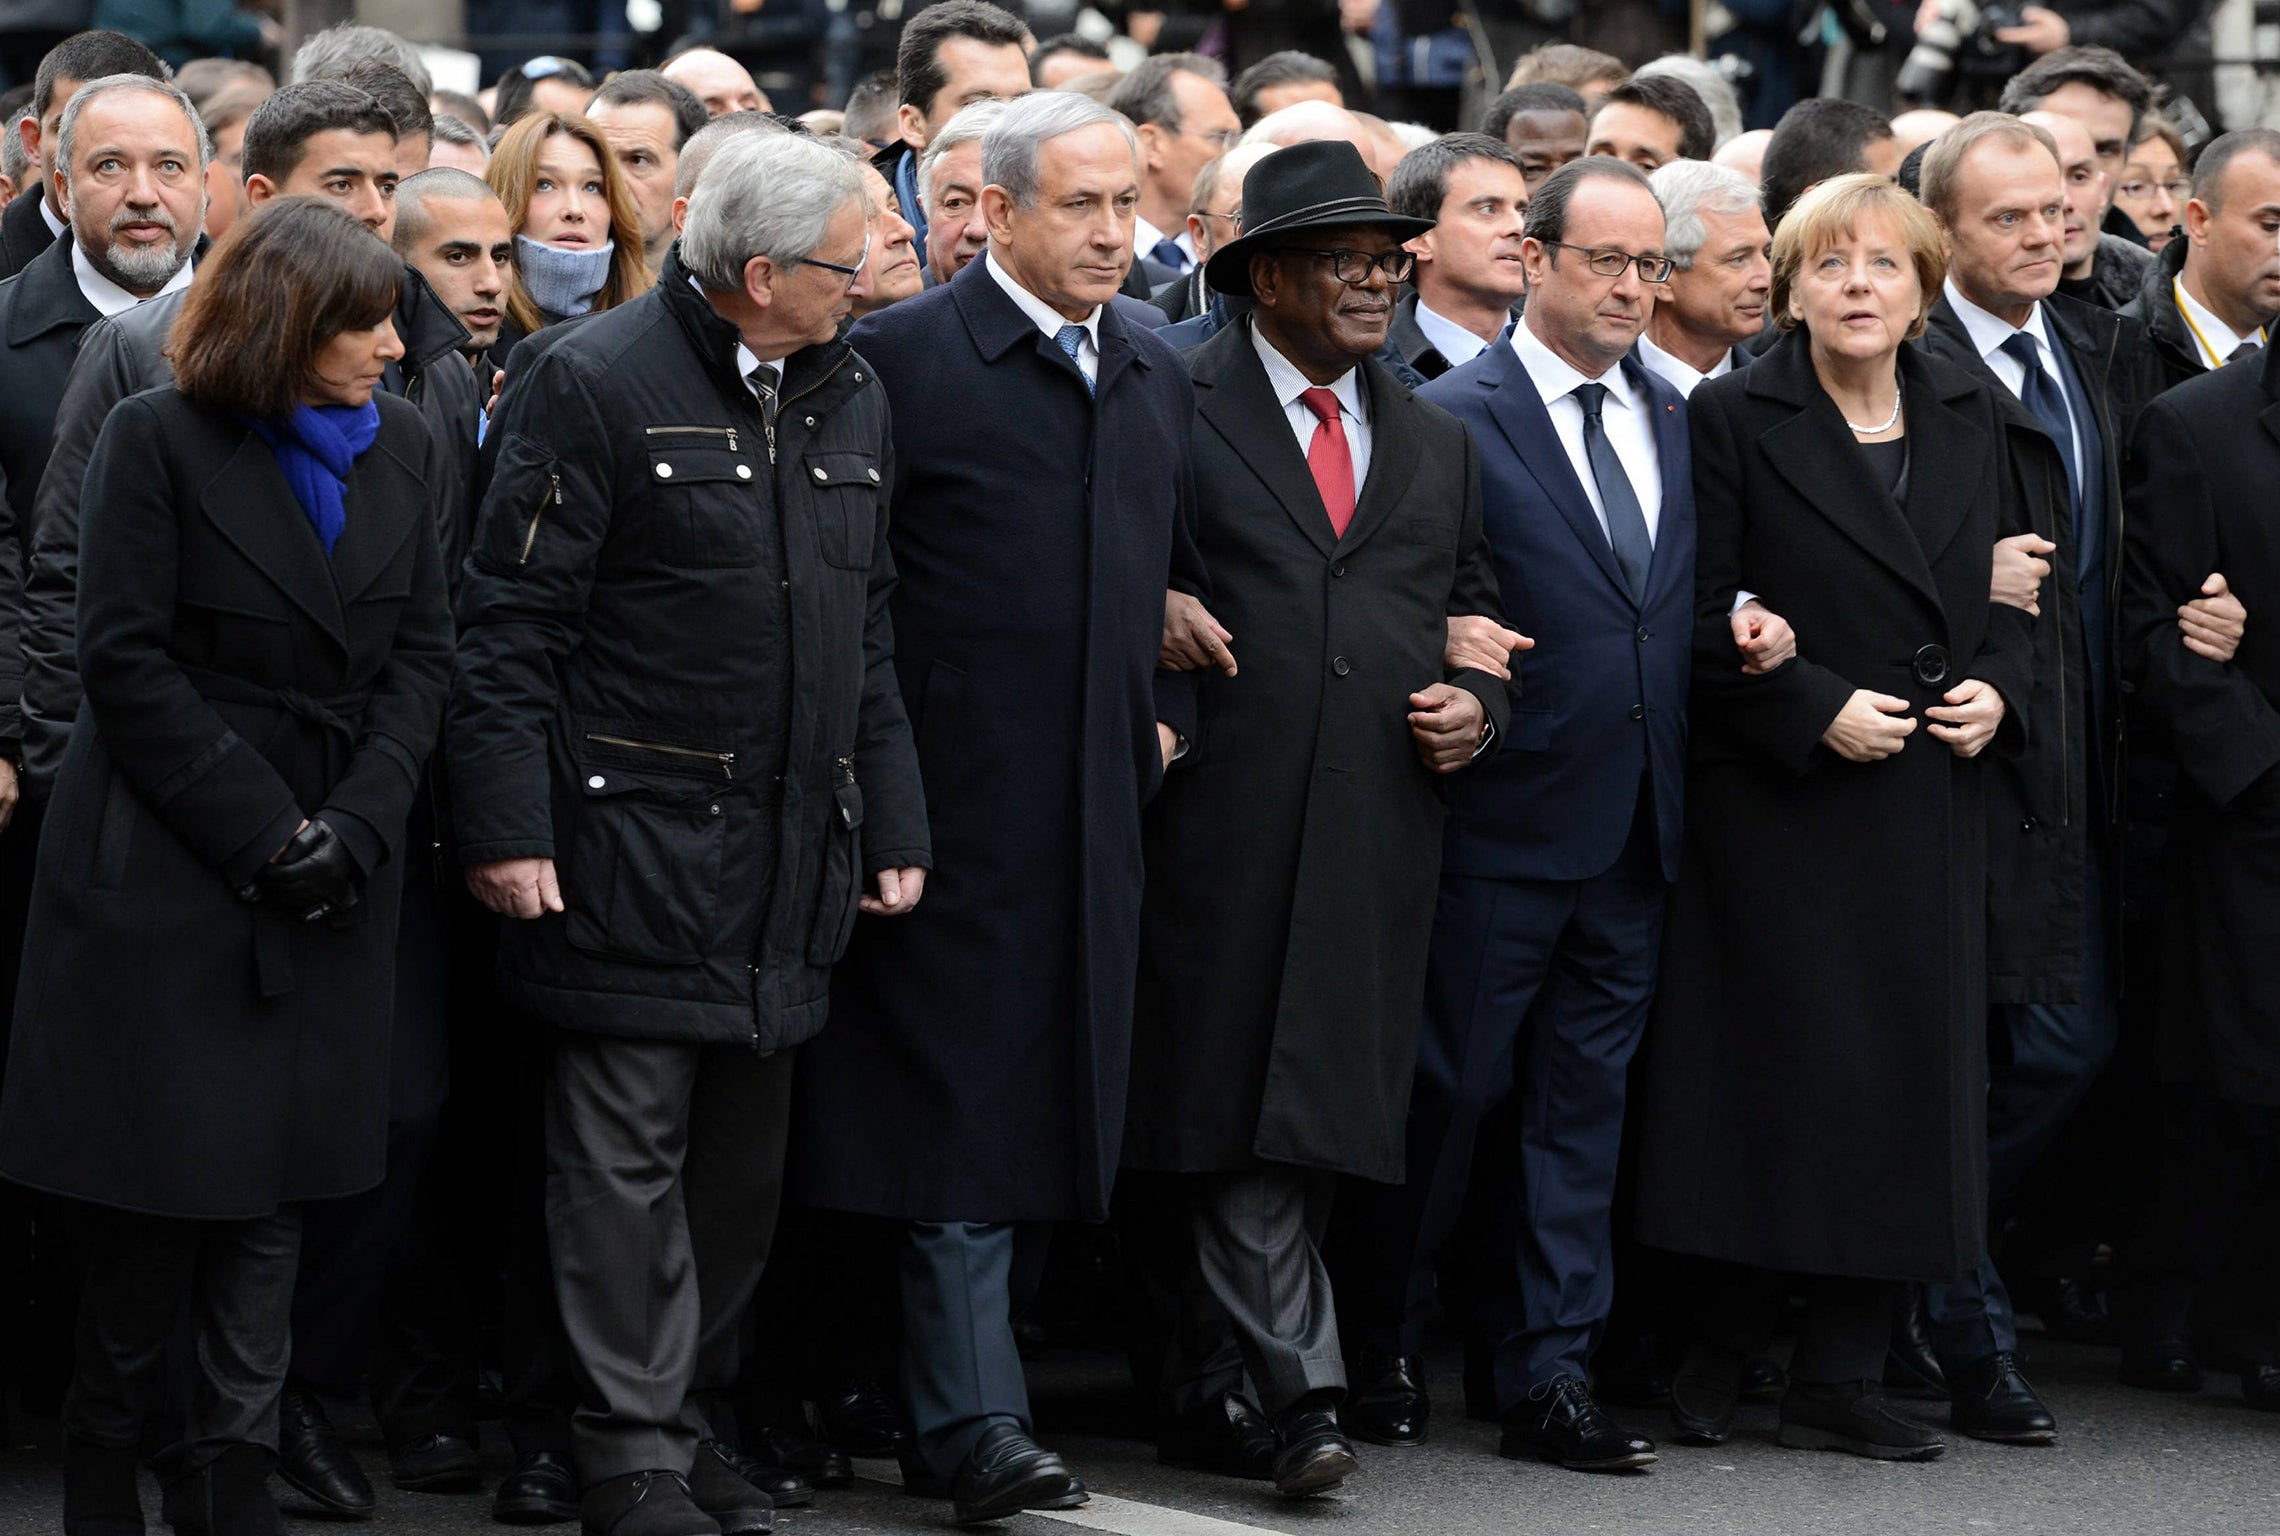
[
  {"x": 1921, "y": 126},
  {"x": 722, "y": 84},
  {"x": 452, "y": 228},
  {"x": 698, "y": 152},
  {"x": 1745, "y": 152},
  {"x": 1308, "y": 121},
  {"x": 418, "y": 197}
]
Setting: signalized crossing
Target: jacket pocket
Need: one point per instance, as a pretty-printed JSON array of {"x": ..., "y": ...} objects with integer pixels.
[
  {"x": 841, "y": 889},
  {"x": 642, "y": 878},
  {"x": 706, "y": 497},
  {"x": 845, "y": 488}
]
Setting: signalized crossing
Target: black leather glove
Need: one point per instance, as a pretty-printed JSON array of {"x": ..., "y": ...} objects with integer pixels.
[{"x": 315, "y": 876}]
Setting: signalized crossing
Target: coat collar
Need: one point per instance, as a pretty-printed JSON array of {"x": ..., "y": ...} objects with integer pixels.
[
  {"x": 1234, "y": 397},
  {"x": 715, "y": 339},
  {"x": 47, "y": 297},
  {"x": 427, "y": 326},
  {"x": 998, "y": 326}
]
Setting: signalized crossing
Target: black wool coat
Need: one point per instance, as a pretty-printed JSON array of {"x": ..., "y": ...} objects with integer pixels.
[
  {"x": 976, "y": 1064},
  {"x": 1294, "y": 853},
  {"x": 24, "y": 232},
  {"x": 2200, "y": 493},
  {"x": 176, "y": 1049},
  {"x": 1816, "y": 1086}
]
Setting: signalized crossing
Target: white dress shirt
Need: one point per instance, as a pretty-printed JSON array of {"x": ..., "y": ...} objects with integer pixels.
[
  {"x": 56, "y": 226},
  {"x": 2214, "y": 342},
  {"x": 1623, "y": 414},
  {"x": 1676, "y": 371},
  {"x": 1050, "y": 320},
  {"x": 1288, "y": 384},
  {"x": 746, "y": 362},
  {"x": 1146, "y": 237},
  {"x": 1988, "y": 332},
  {"x": 1450, "y": 339},
  {"x": 108, "y": 297}
]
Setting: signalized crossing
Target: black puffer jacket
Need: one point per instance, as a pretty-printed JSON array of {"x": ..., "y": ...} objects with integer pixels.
[{"x": 626, "y": 702}]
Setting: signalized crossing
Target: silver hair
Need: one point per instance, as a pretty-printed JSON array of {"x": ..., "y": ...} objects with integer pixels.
[
  {"x": 111, "y": 83},
  {"x": 764, "y": 194},
  {"x": 1716, "y": 91},
  {"x": 1010, "y": 150},
  {"x": 332, "y": 53},
  {"x": 15, "y": 160},
  {"x": 697, "y": 153},
  {"x": 1687, "y": 189},
  {"x": 966, "y": 127}
]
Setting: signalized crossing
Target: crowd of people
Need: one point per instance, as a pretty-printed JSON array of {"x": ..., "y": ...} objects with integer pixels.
[{"x": 694, "y": 777}]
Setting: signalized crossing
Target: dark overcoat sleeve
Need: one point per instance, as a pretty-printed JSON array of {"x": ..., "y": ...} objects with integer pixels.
[
  {"x": 1475, "y": 592},
  {"x": 1178, "y": 694},
  {"x": 2006, "y": 655},
  {"x": 886, "y": 758}
]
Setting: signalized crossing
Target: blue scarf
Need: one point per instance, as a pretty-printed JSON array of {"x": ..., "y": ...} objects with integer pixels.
[
  {"x": 316, "y": 447},
  {"x": 562, "y": 282}
]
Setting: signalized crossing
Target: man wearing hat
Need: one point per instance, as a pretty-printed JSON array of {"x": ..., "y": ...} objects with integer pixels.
[{"x": 1292, "y": 862}]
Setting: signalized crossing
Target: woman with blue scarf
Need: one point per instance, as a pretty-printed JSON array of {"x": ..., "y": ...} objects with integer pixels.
[
  {"x": 203, "y": 1037},
  {"x": 577, "y": 229}
]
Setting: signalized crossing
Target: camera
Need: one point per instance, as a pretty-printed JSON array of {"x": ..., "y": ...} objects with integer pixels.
[{"x": 1960, "y": 40}]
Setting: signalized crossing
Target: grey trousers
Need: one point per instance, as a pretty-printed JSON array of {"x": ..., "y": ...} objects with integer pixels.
[
  {"x": 234, "y": 1279},
  {"x": 962, "y": 1373},
  {"x": 664, "y": 1174},
  {"x": 1258, "y": 1246}
]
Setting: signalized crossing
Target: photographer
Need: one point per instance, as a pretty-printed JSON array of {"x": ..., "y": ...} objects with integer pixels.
[{"x": 2148, "y": 31}]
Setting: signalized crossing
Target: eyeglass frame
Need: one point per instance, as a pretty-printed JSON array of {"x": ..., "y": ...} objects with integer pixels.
[
  {"x": 1225, "y": 138},
  {"x": 850, "y": 273},
  {"x": 1593, "y": 253},
  {"x": 1376, "y": 259},
  {"x": 2178, "y": 190}
]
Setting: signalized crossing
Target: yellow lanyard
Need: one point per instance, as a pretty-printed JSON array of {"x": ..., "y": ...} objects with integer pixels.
[{"x": 2200, "y": 340}]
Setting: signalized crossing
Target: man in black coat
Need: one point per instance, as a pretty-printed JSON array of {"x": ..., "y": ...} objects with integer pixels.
[
  {"x": 36, "y": 219},
  {"x": 679, "y": 760},
  {"x": 1292, "y": 866},
  {"x": 2211, "y": 297},
  {"x": 973, "y": 1079},
  {"x": 1469, "y": 281}
]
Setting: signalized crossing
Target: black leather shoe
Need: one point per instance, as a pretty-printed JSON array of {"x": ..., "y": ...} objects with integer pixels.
[
  {"x": 438, "y": 1463},
  {"x": 314, "y": 1463},
  {"x": 1911, "y": 1368},
  {"x": 100, "y": 1496},
  {"x": 1763, "y": 1382},
  {"x": 785, "y": 1488},
  {"x": 862, "y": 1419},
  {"x": 1390, "y": 1407},
  {"x": 2260, "y": 1387},
  {"x": 1231, "y": 1438},
  {"x": 1705, "y": 1394},
  {"x": 540, "y": 1491},
  {"x": 717, "y": 1485},
  {"x": 2159, "y": 1365},
  {"x": 1994, "y": 1402},
  {"x": 1313, "y": 1454},
  {"x": 229, "y": 1496},
  {"x": 654, "y": 1503},
  {"x": 1006, "y": 1473},
  {"x": 797, "y": 1452},
  {"x": 1852, "y": 1417},
  {"x": 1561, "y": 1424}
]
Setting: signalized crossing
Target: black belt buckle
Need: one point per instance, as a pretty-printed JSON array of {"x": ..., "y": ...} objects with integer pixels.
[{"x": 1931, "y": 665}]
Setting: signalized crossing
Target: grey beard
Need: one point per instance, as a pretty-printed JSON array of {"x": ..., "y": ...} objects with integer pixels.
[{"x": 139, "y": 269}]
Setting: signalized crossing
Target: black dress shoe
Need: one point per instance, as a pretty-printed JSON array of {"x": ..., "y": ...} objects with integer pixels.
[
  {"x": 438, "y": 1463},
  {"x": 1006, "y": 1473},
  {"x": 1231, "y": 1438},
  {"x": 654, "y": 1503},
  {"x": 1852, "y": 1417},
  {"x": 1313, "y": 1455},
  {"x": 100, "y": 1496},
  {"x": 1390, "y": 1407},
  {"x": 796, "y": 1451},
  {"x": 540, "y": 1491},
  {"x": 1705, "y": 1394},
  {"x": 785, "y": 1488},
  {"x": 1911, "y": 1368},
  {"x": 863, "y": 1419},
  {"x": 2260, "y": 1387},
  {"x": 229, "y": 1496},
  {"x": 1994, "y": 1402},
  {"x": 313, "y": 1461},
  {"x": 719, "y": 1487},
  {"x": 2159, "y": 1365},
  {"x": 1562, "y": 1424},
  {"x": 1763, "y": 1381}
]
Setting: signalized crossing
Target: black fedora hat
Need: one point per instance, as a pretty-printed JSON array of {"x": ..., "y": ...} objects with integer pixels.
[{"x": 1322, "y": 184}]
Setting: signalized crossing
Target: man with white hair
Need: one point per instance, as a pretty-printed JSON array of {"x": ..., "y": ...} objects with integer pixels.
[
  {"x": 972, "y": 1083},
  {"x": 1722, "y": 255},
  {"x": 679, "y": 765}
]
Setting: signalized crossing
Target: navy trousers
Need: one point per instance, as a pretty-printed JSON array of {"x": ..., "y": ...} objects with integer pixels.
[{"x": 962, "y": 1282}]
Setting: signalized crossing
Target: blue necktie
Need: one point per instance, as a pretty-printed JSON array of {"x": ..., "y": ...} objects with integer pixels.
[
  {"x": 2043, "y": 397},
  {"x": 1168, "y": 254},
  {"x": 1626, "y": 520},
  {"x": 1072, "y": 337}
]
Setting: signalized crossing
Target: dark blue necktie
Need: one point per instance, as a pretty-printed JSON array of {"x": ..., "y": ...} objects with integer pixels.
[
  {"x": 1168, "y": 254},
  {"x": 2048, "y": 402},
  {"x": 1072, "y": 337},
  {"x": 1626, "y": 520}
]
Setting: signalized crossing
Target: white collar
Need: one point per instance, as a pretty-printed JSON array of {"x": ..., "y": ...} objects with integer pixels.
[
  {"x": 2209, "y": 333},
  {"x": 108, "y": 297},
  {"x": 1041, "y": 314},
  {"x": 1555, "y": 376},
  {"x": 1288, "y": 383},
  {"x": 1680, "y": 374},
  {"x": 1458, "y": 345},
  {"x": 1146, "y": 236},
  {"x": 56, "y": 226},
  {"x": 1988, "y": 331}
]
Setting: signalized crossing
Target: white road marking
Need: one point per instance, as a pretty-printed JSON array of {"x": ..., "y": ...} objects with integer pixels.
[{"x": 1118, "y": 1517}]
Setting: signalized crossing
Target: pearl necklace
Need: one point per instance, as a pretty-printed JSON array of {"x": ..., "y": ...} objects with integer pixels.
[{"x": 1889, "y": 421}]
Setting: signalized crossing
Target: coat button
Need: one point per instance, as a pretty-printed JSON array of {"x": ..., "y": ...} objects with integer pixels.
[
  {"x": 1931, "y": 665},
  {"x": 874, "y": 474},
  {"x": 743, "y": 471},
  {"x": 819, "y": 474},
  {"x": 1341, "y": 666},
  {"x": 664, "y": 471},
  {"x": 811, "y": 421},
  {"x": 596, "y": 782},
  {"x": 714, "y": 809},
  {"x": 1644, "y": 637},
  {"x": 1339, "y": 569},
  {"x": 1638, "y": 711}
]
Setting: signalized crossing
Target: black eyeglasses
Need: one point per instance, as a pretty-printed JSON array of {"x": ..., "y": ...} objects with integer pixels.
[
  {"x": 1652, "y": 269},
  {"x": 1353, "y": 268},
  {"x": 850, "y": 273}
]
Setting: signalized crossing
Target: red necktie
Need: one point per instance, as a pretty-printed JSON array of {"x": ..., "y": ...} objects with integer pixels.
[{"x": 1329, "y": 458}]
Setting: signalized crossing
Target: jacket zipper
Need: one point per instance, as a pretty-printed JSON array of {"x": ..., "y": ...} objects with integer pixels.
[
  {"x": 553, "y": 495},
  {"x": 726, "y": 760},
  {"x": 727, "y": 432}
]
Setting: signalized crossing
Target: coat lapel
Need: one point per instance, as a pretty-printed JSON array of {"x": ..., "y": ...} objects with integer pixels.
[
  {"x": 384, "y": 499},
  {"x": 1393, "y": 454},
  {"x": 1519, "y": 414},
  {"x": 269, "y": 528},
  {"x": 1943, "y": 445},
  {"x": 1673, "y": 461},
  {"x": 1237, "y": 401},
  {"x": 48, "y": 297}
]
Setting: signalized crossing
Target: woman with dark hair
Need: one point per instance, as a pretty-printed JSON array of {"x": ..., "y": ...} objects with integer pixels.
[
  {"x": 577, "y": 230},
  {"x": 202, "y": 1039}
]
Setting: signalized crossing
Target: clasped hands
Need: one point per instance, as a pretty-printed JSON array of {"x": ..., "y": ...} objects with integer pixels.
[{"x": 312, "y": 876}]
